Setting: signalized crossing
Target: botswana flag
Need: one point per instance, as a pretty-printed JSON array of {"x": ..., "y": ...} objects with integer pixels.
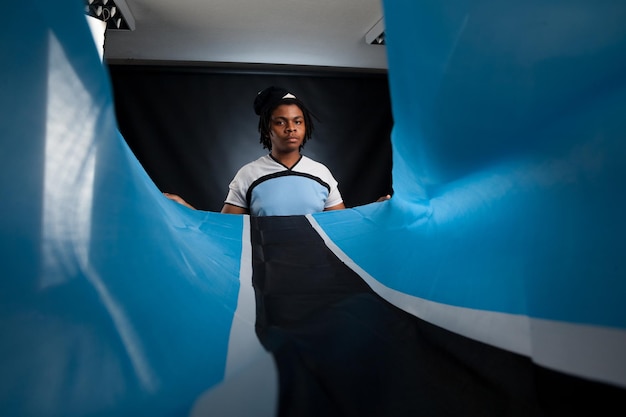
[
  {"x": 343, "y": 350},
  {"x": 492, "y": 283}
]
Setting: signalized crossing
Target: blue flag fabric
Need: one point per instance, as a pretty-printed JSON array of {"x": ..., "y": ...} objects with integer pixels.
[{"x": 506, "y": 226}]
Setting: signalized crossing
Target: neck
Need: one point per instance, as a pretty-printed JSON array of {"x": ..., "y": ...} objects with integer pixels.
[{"x": 287, "y": 159}]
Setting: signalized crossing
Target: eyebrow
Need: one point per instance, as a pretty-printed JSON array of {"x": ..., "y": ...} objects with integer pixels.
[{"x": 287, "y": 118}]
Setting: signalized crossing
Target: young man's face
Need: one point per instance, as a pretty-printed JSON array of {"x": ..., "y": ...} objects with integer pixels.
[{"x": 287, "y": 128}]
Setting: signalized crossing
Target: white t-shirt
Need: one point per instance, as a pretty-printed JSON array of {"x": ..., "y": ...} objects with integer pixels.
[{"x": 268, "y": 188}]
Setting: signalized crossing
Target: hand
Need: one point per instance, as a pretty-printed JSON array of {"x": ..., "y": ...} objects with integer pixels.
[
  {"x": 179, "y": 200},
  {"x": 383, "y": 198}
]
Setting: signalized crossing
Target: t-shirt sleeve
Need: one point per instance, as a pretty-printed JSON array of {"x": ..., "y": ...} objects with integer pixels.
[
  {"x": 334, "y": 196},
  {"x": 236, "y": 193}
]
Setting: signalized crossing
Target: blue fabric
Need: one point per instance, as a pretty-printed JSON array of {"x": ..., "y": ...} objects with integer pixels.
[
  {"x": 508, "y": 173},
  {"x": 508, "y": 160},
  {"x": 112, "y": 298}
]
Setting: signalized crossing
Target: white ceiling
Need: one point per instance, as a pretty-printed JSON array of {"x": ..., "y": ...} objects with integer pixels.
[{"x": 329, "y": 33}]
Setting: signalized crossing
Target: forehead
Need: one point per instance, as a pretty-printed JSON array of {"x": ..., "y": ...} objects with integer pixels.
[{"x": 289, "y": 111}]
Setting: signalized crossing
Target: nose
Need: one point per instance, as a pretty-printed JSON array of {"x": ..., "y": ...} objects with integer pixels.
[{"x": 291, "y": 127}]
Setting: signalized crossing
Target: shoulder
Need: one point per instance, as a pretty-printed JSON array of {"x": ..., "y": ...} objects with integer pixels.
[
  {"x": 317, "y": 169},
  {"x": 253, "y": 166},
  {"x": 308, "y": 163},
  {"x": 252, "y": 170},
  {"x": 263, "y": 160}
]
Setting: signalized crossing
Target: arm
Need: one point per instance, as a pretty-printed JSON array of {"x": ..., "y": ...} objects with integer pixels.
[
  {"x": 339, "y": 206},
  {"x": 342, "y": 206},
  {"x": 179, "y": 199},
  {"x": 230, "y": 209}
]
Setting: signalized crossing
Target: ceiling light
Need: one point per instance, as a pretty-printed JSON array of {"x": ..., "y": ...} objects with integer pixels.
[
  {"x": 376, "y": 35},
  {"x": 115, "y": 13}
]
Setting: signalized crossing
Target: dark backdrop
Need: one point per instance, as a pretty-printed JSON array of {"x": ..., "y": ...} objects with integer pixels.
[{"x": 192, "y": 127}]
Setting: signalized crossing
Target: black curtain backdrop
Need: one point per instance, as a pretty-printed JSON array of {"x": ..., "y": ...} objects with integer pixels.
[{"x": 193, "y": 127}]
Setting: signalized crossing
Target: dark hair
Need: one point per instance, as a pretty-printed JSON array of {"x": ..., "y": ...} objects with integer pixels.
[{"x": 266, "y": 102}]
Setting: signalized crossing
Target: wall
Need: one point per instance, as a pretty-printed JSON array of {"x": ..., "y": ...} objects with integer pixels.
[{"x": 193, "y": 127}]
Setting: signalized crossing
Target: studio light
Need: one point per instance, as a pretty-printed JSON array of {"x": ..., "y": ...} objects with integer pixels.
[
  {"x": 115, "y": 13},
  {"x": 376, "y": 35}
]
